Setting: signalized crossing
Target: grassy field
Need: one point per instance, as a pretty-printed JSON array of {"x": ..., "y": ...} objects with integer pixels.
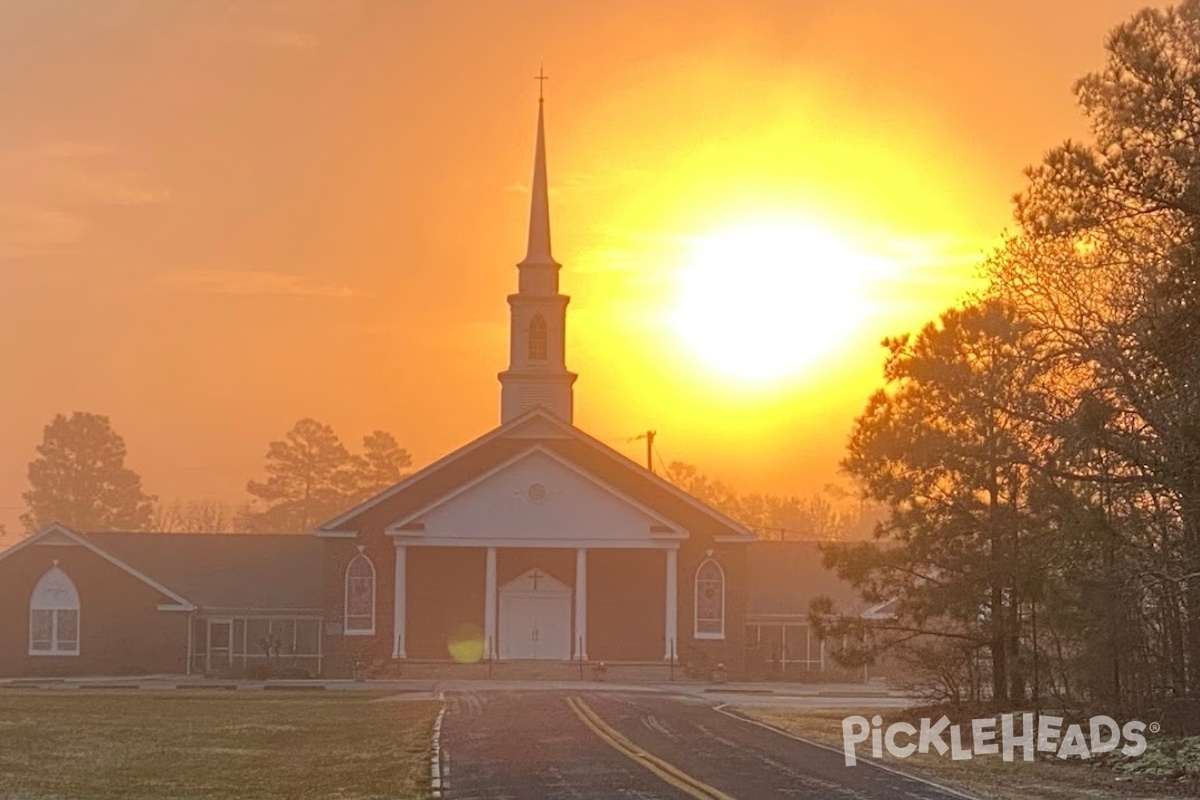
[
  {"x": 205, "y": 745},
  {"x": 986, "y": 776}
]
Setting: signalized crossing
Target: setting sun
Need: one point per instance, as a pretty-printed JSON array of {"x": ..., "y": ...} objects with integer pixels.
[{"x": 761, "y": 302}]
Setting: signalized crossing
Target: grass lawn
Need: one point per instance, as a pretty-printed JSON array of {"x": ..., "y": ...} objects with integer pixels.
[
  {"x": 180, "y": 744},
  {"x": 986, "y": 776}
]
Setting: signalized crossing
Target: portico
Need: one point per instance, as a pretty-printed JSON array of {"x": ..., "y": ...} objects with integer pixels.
[{"x": 544, "y": 516}]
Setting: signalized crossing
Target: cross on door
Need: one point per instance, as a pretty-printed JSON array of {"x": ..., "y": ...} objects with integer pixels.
[{"x": 535, "y": 576}]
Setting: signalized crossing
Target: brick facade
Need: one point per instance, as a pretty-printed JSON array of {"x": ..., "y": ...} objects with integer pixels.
[{"x": 121, "y": 630}]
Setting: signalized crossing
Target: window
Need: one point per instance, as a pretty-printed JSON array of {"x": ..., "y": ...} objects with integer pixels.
[
  {"x": 360, "y": 596},
  {"x": 54, "y": 616},
  {"x": 537, "y": 338},
  {"x": 710, "y": 601}
]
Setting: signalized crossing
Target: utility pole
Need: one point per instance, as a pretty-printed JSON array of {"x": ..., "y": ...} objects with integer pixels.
[{"x": 649, "y": 437}]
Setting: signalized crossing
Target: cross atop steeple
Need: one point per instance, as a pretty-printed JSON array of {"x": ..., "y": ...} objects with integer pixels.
[
  {"x": 537, "y": 373},
  {"x": 541, "y": 78},
  {"x": 538, "y": 251}
]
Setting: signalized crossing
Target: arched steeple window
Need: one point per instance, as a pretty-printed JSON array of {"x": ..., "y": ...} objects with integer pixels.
[
  {"x": 360, "y": 596},
  {"x": 710, "y": 601},
  {"x": 54, "y": 616},
  {"x": 537, "y": 338}
]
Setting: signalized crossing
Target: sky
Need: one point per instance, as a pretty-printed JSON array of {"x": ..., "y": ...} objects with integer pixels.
[{"x": 217, "y": 218}]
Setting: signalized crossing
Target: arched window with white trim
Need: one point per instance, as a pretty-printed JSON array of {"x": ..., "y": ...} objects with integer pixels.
[
  {"x": 360, "y": 596},
  {"x": 54, "y": 616},
  {"x": 710, "y": 601},
  {"x": 538, "y": 333}
]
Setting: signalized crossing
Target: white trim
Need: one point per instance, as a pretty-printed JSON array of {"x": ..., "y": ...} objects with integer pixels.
[
  {"x": 56, "y": 527},
  {"x": 191, "y": 645},
  {"x": 746, "y": 535},
  {"x": 696, "y": 633},
  {"x": 876, "y": 611},
  {"x": 399, "y": 603},
  {"x": 172, "y": 607},
  {"x": 579, "y": 640},
  {"x": 420, "y": 540},
  {"x": 671, "y": 595},
  {"x": 421, "y": 474},
  {"x": 208, "y": 648},
  {"x": 489, "y": 605},
  {"x": 536, "y": 449},
  {"x": 72, "y": 604},
  {"x": 346, "y": 629},
  {"x": 338, "y": 534},
  {"x": 255, "y": 613}
]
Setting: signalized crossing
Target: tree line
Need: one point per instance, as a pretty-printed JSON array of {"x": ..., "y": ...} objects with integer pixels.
[
  {"x": 1038, "y": 446},
  {"x": 79, "y": 478},
  {"x": 830, "y": 515}
]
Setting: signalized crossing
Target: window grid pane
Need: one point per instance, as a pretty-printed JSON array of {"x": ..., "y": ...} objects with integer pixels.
[
  {"x": 41, "y": 631},
  {"x": 360, "y": 596},
  {"x": 68, "y": 631},
  {"x": 710, "y": 599},
  {"x": 537, "y": 339}
]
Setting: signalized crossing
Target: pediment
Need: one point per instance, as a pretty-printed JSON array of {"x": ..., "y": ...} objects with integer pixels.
[
  {"x": 535, "y": 582},
  {"x": 535, "y": 498}
]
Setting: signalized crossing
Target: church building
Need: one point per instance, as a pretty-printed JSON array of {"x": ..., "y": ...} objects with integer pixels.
[{"x": 534, "y": 542}]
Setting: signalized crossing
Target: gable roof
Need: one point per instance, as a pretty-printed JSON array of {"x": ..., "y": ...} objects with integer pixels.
[
  {"x": 445, "y": 475},
  {"x": 231, "y": 571},
  {"x": 533, "y": 448},
  {"x": 782, "y": 578},
  {"x": 58, "y": 531}
]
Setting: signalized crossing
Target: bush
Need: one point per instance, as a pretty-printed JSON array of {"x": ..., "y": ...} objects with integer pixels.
[{"x": 1176, "y": 759}]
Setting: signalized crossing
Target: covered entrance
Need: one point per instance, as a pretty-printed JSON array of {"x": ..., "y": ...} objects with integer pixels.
[{"x": 535, "y": 618}]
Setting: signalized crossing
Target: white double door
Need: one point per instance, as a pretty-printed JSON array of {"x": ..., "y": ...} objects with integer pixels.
[{"x": 535, "y": 624}]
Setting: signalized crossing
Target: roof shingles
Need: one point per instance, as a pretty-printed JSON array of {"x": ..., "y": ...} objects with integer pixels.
[{"x": 243, "y": 572}]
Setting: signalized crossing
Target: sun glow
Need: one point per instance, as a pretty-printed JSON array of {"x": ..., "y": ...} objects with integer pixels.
[{"x": 762, "y": 302}]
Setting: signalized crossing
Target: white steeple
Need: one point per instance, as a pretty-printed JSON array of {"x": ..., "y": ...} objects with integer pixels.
[{"x": 537, "y": 373}]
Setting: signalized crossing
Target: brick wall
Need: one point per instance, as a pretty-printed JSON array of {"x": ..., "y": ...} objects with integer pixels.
[{"x": 121, "y": 631}]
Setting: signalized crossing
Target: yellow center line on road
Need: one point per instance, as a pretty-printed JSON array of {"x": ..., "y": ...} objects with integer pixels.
[{"x": 663, "y": 769}]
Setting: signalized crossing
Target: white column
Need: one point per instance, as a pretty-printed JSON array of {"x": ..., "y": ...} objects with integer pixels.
[
  {"x": 400, "y": 604},
  {"x": 672, "y": 601},
  {"x": 579, "y": 646},
  {"x": 489, "y": 605}
]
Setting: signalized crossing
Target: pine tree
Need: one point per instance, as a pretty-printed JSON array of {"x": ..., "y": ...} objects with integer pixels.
[
  {"x": 382, "y": 463},
  {"x": 310, "y": 478},
  {"x": 80, "y": 479}
]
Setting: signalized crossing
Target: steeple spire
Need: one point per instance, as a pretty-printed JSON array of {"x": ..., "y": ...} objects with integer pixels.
[
  {"x": 537, "y": 373},
  {"x": 538, "y": 251}
]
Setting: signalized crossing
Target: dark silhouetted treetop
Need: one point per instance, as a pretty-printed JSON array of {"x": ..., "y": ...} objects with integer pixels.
[
  {"x": 382, "y": 463},
  {"x": 79, "y": 478},
  {"x": 310, "y": 476}
]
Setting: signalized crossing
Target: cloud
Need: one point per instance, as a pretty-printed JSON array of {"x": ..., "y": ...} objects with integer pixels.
[
  {"x": 120, "y": 188},
  {"x": 48, "y": 187},
  {"x": 296, "y": 40},
  {"x": 62, "y": 173},
  {"x": 247, "y": 282},
  {"x": 30, "y": 230}
]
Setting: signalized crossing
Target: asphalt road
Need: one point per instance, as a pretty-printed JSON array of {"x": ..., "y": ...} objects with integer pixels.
[{"x": 502, "y": 745}]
